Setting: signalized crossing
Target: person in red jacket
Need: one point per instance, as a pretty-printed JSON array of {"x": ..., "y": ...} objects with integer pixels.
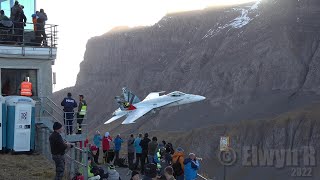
[{"x": 107, "y": 149}]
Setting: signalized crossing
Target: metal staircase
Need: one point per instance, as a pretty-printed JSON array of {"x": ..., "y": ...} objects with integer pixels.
[{"x": 49, "y": 112}]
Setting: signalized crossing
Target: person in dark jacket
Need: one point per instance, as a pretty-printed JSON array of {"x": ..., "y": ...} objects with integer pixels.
[
  {"x": 20, "y": 25},
  {"x": 58, "y": 148},
  {"x": 131, "y": 151},
  {"x": 41, "y": 35},
  {"x": 144, "y": 145},
  {"x": 152, "y": 149},
  {"x": 68, "y": 104}
]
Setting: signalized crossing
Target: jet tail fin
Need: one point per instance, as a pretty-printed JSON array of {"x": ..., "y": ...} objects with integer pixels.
[{"x": 129, "y": 96}]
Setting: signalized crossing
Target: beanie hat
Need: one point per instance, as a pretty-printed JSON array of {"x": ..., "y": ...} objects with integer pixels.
[
  {"x": 134, "y": 173},
  {"x": 57, "y": 126},
  {"x": 179, "y": 149},
  {"x": 106, "y": 134},
  {"x": 94, "y": 148}
]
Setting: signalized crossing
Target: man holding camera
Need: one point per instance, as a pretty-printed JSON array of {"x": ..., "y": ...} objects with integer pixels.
[{"x": 58, "y": 148}]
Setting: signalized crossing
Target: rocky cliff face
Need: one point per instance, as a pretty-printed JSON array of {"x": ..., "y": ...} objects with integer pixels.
[{"x": 252, "y": 62}]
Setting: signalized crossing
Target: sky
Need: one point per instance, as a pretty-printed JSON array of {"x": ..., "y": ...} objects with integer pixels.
[{"x": 78, "y": 21}]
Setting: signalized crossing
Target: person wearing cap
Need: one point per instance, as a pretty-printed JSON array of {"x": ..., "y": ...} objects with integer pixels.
[
  {"x": 144, "y": 145},
  {"x": 177, "y": 163},
  {"x": 58, "y": 148},
  {"x": 68, "y": 104},
  {"x": 82, "y": 110},
  {"x": 135, "y": 175},
  {"x": 106, "y": 144},
  {"x": 97, "y": 139},
  {"x": 191, "y": 167}
]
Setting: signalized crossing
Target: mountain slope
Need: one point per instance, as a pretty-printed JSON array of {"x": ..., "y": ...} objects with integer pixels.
[{"x": 250, "y": 61}]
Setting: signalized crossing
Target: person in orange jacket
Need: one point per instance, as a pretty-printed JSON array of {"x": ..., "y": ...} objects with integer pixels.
[
  {"x": 26, "y": 88},
  {"x": 177, "y": 163}
]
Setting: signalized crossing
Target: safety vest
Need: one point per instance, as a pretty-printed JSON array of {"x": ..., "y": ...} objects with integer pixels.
[
  {"x": 83, "y": 110},
  {"x": 26, "y": 88},
  {"x": 158, "y": 159}
]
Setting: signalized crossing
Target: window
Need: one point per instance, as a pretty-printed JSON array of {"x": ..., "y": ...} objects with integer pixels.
[
  {"x": 176, "y": 94},
  {"x": 11, "y": 80},
  {"x": 28, "y": 8},
  {"x": 5, "y": 6}
]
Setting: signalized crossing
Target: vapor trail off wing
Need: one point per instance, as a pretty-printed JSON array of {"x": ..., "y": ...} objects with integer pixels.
[
  {"x": 114, "y": 118},
  {"x": 135, "y": 114}
]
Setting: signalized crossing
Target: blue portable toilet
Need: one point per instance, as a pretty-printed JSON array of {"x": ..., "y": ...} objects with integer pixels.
[
  {"x": 3, "y": 126},
  {"x": 20, "y": 123}
]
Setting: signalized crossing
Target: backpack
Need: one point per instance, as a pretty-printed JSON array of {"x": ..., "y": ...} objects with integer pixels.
[{"x": 177, "y": 169}]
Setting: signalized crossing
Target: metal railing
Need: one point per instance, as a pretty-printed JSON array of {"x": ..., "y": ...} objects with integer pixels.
[
  {"x": 16, "y": 33},
  {"x": 74, "y": 163},
  {"x": 77, "y": 161},
  {"x": 50, "y": 108}
]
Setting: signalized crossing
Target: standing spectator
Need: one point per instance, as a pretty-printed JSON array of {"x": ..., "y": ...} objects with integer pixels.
[
  {"x": 68, "y": 104},
  {"x": 21, "y": 24},
  {"x": 177, "y": 164},
  {"x": 34, "y": 21},
  {"x": 168, "y": 173},
  {"x": 15, "y": 11},
  {"x": 97, "y": 142},
  {"x": 138, "y": 150},
  {"x": 15, "y": 18},
  {"x": 168, "y": 154},
  {"x": 41, "y": 33},
  {"x": 82, "y": 110},
  {"x": 130, "y": 144},
  {"x": 152, "y": 149},
  {"x": 144, "y": 145},
  {"x": 58, "y": 148},
  {"x": 3, "y": 17},
  {"x": 191, "y": 167},
  {"x": 106, "y": 146},
  {"x": 117, "y": 147}
]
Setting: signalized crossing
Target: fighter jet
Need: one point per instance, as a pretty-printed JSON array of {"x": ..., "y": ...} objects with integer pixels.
[{"x": 133, "y": 108}]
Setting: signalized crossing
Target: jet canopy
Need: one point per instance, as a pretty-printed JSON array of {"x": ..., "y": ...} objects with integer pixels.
[{"x": 176, "y": 94}]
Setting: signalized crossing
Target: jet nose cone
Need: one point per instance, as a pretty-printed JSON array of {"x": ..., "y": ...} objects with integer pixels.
[{"x": 199, "y": 98}]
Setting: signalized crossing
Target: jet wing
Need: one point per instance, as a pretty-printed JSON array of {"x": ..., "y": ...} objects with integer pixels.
[
  {"x": 135, "y": 114},
  {"x": 139, "y": 112},
  {"x": 153, "y": 95},
  {"x": 114, "y": 118}
]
